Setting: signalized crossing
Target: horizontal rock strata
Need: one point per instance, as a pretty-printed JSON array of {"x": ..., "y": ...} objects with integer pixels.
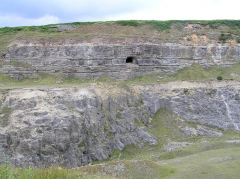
[{"x": 85, "y": 60}]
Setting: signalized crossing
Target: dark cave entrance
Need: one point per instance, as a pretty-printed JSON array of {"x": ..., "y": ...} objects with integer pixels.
[{"x": 129, "y": 59}]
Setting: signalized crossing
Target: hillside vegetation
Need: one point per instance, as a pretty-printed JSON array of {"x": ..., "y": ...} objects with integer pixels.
[
  {"x": 159, "y": 25},
  {"x": 193, "y": 73},
  {"x": 174, "y": 30}
]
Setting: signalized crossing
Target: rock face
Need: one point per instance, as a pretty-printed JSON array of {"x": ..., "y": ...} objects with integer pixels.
[
  {"x": 212, "y": 106},
  {"x": 86, "y": 60},
  {"x": 200, "y": 131},
  {"x": 73, "y": 126},
  {"x": 68, "y": 127}
]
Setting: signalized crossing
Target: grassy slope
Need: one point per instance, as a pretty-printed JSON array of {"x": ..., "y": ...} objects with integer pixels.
[
  {"x": 167, "y": 30},
  {"x": 6, "y": 172},
  {"x": 130, "y": 169},
  {"x": 193, "y": 73},
  {"x": 220, "y": 163},
  {"x": 159, "y": 25}
]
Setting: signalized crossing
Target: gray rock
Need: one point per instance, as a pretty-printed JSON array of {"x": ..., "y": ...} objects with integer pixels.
[
  {"x": 73, "y": 126},
  {"x": 65, "y": 27},
  {"x": 212, "y": 106},
  {"x": 233, "y": 141},
  {"x": 200, "y": 131},
  {"x": 83, "y": 60},
  {"x": 84, "y": 128},
  {"x": 175, "y": 145},
  {"x": 146, "y": 137}
]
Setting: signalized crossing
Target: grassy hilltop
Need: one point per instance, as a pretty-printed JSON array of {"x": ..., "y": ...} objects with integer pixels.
[{"x": 169, "y": 31}]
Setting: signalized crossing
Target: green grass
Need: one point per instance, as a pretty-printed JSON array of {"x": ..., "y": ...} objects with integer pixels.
[
  {"x": 224, "y": 37},
  {"x": 192, "y": 73},
  {"x": 130, "y": 169},
  {"x": 42, "y": 28},
  {"x": 4, "y": 116},
  {"x": 166, "y": 25},
  {"x": 6, "y": 172},
  {"x": 220, "y": 163},
  {"x": 160, "y": 25},
  {"x": 6, "y": 37},
  {"x": 129, "y": 23},
  {"x": 49, "y": 80},
  {"x": 19, "y": 64},
  {"x": 198, "y": 73},
  {"x": 9, "y": 34}
]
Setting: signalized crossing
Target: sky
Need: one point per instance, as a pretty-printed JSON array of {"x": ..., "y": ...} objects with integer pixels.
[{"x": 41, "y": 12}]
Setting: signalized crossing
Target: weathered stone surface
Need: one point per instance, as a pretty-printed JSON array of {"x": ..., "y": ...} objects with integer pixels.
[
  {"x": 175, "y": 145},
  {"x": 212, "y": 106},
  {"x": 86, "y": 60},
  {"x": 69, "y": 127},
  {"x": 76, "y": 125},
  {"x": 200, "y": 130},
  {"x": 237, "y": 141}
]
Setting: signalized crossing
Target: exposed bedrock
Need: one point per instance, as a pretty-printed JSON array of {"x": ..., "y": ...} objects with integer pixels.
[
  {"x": 68, "y": 127},
  {"x": 215, "y": 107},
  {"x": 87, "y": 60},
  {"x": 73, "y": 126}
]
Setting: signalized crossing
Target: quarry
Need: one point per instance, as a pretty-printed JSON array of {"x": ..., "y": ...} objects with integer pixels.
[{"x": 122, "y": 99}]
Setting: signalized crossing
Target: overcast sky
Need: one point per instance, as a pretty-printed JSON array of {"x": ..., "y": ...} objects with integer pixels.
[{"x": 39, "y": 12}]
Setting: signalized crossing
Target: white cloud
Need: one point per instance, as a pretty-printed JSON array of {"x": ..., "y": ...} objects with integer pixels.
[
  {"x": 185, "y": 10},
  {"x": 14, "y": 20},
  {"x": 100, "y": 10}
]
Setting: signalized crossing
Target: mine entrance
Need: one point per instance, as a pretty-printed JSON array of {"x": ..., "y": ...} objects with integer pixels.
[{"x": 129, "y": 59}]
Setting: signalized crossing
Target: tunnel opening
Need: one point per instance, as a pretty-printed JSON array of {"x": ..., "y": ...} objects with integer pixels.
[{"x": 129, "y": 59}]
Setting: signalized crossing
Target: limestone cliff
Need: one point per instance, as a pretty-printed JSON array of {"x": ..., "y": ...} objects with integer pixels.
[
  {"x": 73, "y": 126},
  {"x": 84, "y": 60}
]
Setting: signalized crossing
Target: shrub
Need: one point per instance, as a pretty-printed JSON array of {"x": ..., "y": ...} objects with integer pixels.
[
  {"x": 224, "y": 37},
  {"x": 128, "y": 23},
  {"x": 219, "y": 78},
  {"x": 185, "y": 91},
  {"x": 238, "y": 40}
]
